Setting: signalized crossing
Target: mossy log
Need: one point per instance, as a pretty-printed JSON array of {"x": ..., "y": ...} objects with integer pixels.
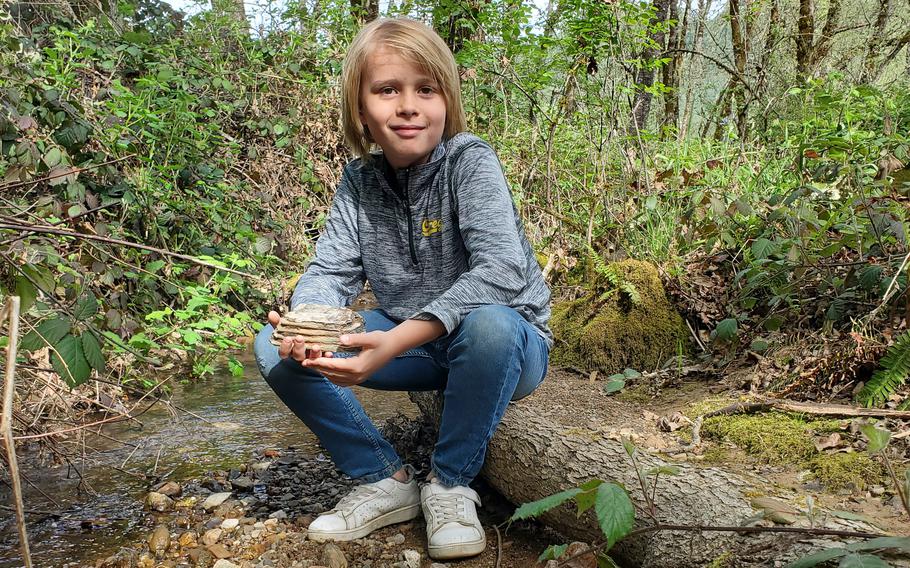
[{"x": 532, "y": 456}]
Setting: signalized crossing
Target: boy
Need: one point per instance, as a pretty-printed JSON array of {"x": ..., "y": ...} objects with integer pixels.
[{"x": 430, "y": 223}]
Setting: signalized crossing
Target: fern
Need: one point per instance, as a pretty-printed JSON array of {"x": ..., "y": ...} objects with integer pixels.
[
  {"x": 891, "y": 374},
  {"x": 612, "y": 275}
]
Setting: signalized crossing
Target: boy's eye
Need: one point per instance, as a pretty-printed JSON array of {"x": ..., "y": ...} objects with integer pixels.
[
  {"x": 387, "y": 91},
  {"x": 426, "y": 90}
]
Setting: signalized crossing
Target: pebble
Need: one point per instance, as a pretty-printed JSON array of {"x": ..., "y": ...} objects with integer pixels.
[
  {"x": 218, "y": 550},
  {"x": 159, "y": 502},
  {"x": 230, "y": 524},
  {"x": 438, "y": 565},
  {"x": 279, "y": 514},
  {"x": 225, "y": 564},
  {"x": 214, "y": 500},
  {"x": 159, "y": 540},
  {"x": 333, "y": 557},
  {"x": 188, "y": 539},
  {"x": 411, "y": 558},
  {"x": 395, "y": 539},
  {"x": 211, "y": 536},
  {"x": 170, "y": 488}
]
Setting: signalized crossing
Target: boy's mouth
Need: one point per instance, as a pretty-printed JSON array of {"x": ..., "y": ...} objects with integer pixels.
[{"x": 407, "y": 130}]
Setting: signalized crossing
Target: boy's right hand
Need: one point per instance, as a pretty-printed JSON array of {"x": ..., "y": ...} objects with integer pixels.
[{"x": 295, "y": 347}]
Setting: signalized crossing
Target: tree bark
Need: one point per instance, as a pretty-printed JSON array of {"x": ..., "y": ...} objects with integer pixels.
[
  {"x": 233, "y": 9},
  {"x": 805, "y": 32},
  {"x": 644, "y": 79},
  {"x": 672, "y": 69},
  {"x": 739, "y": 31},
  {"x": 532, "y": 456},
  {"x": 704, "y": 6},
  {"x": 876, "y": 40},
  {"x": 823, "y": 46}
]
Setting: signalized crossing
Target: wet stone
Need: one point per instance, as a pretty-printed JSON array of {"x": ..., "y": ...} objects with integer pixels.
[
  {"x": 220, "y": 551},
  {"x": 159, "y": 502},
  {"x": 159, "y": 540},
  {"x": 214, "y": 500}
]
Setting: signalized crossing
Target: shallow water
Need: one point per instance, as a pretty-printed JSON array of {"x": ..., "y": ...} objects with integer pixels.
[{"x": 232, "y": 420}]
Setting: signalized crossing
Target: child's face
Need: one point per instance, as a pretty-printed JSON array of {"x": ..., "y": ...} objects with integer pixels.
[{"x": 402, "y": 107}]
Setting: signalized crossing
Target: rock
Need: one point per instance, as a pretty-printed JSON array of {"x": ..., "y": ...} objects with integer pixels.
[
  {"x": 201, "y": 558},
  {"x": 412, "y": 558},
  {"x": 332, "y": 556},
  {"x": 438, "y": 565},
  {"x": 159, "y": 540},
  {"x": 270, "y": 524},
  {"x": 214, "y": 500},
  {"x": 244, "y": 483},
  {"x": 395, "y": 539},
  {"x": 877, "y": 490},
  {"x": 586, "y": 561},
  {"x": 170, "y": 488},
  {"x": 218, "y": 550},
  {"x": 225, "y": 564},
  {"x": 230, "y": 524},
  {"x": 186, "y": 502},
  {"x": 159, "y": 502},
  {"x": 211, "y": 536},
  {"x": 279, "y": 514},
  {"x": 125, "y": 558},
  {"x": 188, "y": 539}
]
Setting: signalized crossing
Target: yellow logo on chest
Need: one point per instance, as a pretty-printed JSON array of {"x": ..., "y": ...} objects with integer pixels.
[{"x": 431, "y": 226}]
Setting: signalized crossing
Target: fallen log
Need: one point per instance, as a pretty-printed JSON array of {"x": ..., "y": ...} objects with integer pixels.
[{"x": 540, "y": 449}]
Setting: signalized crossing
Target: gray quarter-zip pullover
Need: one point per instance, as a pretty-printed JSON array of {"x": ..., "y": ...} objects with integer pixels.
[{"x": 447, "y": 240}]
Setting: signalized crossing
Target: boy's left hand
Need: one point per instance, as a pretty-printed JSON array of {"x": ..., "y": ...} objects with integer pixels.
[{"x": 350, "y": 371}]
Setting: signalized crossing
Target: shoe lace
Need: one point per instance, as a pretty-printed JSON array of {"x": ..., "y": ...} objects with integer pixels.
[
  {"x": 448, "y": 509},
  {"x": 352, "y": 500}
]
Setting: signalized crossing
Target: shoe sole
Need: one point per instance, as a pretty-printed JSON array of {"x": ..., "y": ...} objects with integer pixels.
[
  {"x": 390, "y": 518},
  {"x": 460, "y": 550}
]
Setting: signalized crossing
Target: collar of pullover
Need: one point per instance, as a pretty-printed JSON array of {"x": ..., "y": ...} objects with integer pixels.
[{"x": 412, "y": 177}]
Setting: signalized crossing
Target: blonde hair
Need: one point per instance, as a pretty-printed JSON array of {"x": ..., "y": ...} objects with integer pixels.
[{"x": 416, "y": 43}]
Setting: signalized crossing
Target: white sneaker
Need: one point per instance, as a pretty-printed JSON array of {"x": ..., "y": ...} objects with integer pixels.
[
  {"x": 453, "y": 529},
  {"x": 368, "y": 507}
]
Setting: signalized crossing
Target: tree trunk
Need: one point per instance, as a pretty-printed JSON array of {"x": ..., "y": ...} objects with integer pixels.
[
  {"x": 870, "y": 62},
  {"x": 235, "y": 10},
  {"x": 805, "y": 32},
  {"x": 645, "y": 77},
  {"x": 532, "y": 456},
  {"x": 739, "y": 31},
  {"x": 672, "y": 68},
  {"x": 364, "y": 11},
  {"x": 704, "y": 7},
  {"x": 823, "y": 46}
]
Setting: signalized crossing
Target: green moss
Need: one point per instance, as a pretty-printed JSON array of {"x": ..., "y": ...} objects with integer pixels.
[
  {"x": 639, "y": 394},
  {"x": 706, "y": 405},
  {"x": 772, "y": 438},
  {"x": 722, "y": 561},
  {"x": 614, "y": 334},
  {"x": 840, "y": 470}
]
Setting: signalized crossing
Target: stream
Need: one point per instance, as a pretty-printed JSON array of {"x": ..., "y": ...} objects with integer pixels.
[{"x": 224, "y": 421}]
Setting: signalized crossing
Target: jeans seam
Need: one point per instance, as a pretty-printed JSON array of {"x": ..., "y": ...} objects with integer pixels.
[
  {"x": 493, "y": 423},
  {"x": 377, "y": 449}
]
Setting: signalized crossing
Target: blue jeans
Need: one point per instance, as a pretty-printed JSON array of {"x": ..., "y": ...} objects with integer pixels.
[{"x": 493, "y": 357}]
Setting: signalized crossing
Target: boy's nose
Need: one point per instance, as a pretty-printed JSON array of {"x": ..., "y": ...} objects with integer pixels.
[{"x": 406, "y": 105}]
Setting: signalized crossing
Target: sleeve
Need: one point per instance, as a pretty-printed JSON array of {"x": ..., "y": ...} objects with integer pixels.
[
  {"x": 335, "y": 276},
  {"x": 489, "y": 228}
]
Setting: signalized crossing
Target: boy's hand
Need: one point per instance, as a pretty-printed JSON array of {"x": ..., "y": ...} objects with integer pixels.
[
  {"x": 296, "y": 347},
  {"x": 375, "y": 352}
]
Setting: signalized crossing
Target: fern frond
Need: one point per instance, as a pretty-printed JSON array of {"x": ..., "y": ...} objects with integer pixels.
[
  {"x": 632, "y": 292},
  {"x": 891, "y": 374}
]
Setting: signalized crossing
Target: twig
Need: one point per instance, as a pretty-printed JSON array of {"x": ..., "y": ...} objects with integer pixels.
[
  {"x": 11, "y": 310},
  {"x": 498, "y": 546},
  {"x": 9, "y": 186},
  {"x": 72, "y": 234}
]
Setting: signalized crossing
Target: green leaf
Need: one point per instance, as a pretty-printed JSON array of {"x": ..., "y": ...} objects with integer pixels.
[
  {"x": 236, "y": 367},
  {"x": 628, "y": 446},
  {"x": 26, "y": 292},
  {"x": 155, "y": 266},
  {"x": 552, "y": 552},
  {"x": 537, "y": 508},
  {"x": 588, "y": 496},
  {"x": 613, "y": 386},
  {"x": 862, "y": 561},
  {"x": 727, "y": 329},
  {"x": 817, "y": 558},
  {"x": 69, "y": 361},
  {"x": 86, "y": 307},
  {"x": 663, "y": 470},
  {"x": 92, "y": 351},
  {"x": 762, "y": 248},
  {"x": 881, "y": 543},
  {"x": 53, "y": 157},
  {"x": 48, "y": 332},
  {"x": 190, "y": 336},
  {"x": 878, "y": 439},
  {"x": 615, "y": 513},
  {"x": 631, "y": 373}
]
